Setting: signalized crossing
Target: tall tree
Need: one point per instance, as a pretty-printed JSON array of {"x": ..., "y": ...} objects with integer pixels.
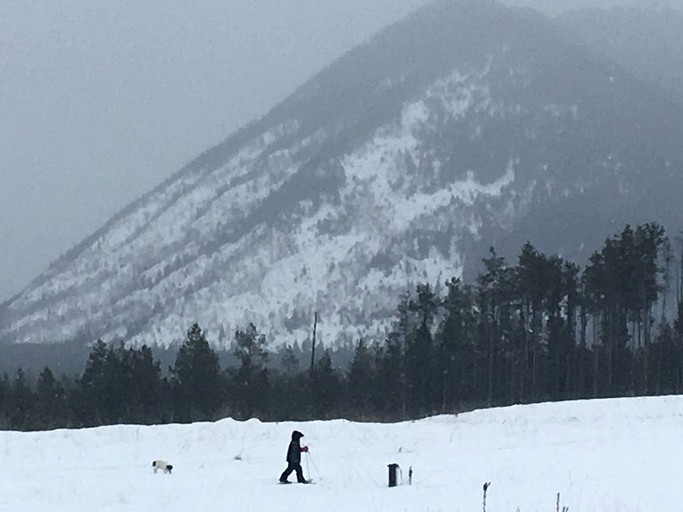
[
  {"x": 456, "y": 362},
  {"x": 361, "y": 380},
  {"x": 22, "y": 402},
  {"x": 420, "y": 352},
  {"x": 145, "y": 387},
  {"x": 89, "y": 400},
  {"x": 251, "y": 378},
  {"x": 327, "y": 384},
  {"x": 197, "y": 382},
  {"x": 50, "y": 403},
  {"x": 495, "y": 290}
]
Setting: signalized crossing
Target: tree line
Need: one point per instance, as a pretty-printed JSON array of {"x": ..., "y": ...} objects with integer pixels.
[{"x": 542, "y": 329}]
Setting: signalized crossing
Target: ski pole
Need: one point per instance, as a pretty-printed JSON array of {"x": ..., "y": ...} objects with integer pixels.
[{"x": 314, "y": 466}]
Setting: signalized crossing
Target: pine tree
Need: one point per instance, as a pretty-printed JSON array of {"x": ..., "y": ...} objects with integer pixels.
[
  {"x": 360, "y": 381},
  {"x": 251, "y": 378},
  {"x": 50, "y": 405},
  {"x": 389, "y": 395},
  {"x": 456, "y": 361},
  {"x": 89, "y": 399},
  {"x": 495, "y": 292},
  {"x": 326, "y": 386},
  {"x": 22, "y": 402},
  {"x": 197, "y": 381},
  {"x": 144, "y": 385},
  {"x": 423, "y": 389},
  {"x": 5, "y": 401}
]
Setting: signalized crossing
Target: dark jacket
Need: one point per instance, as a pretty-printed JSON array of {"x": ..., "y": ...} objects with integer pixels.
[{"x": 294, "y": 450}]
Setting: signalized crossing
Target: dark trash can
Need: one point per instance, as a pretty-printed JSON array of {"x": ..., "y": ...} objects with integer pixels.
[{"x": 393, "y": 468}]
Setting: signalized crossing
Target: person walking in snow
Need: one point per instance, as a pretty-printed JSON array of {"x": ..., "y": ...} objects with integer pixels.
[{"x": 294, "y": 459}]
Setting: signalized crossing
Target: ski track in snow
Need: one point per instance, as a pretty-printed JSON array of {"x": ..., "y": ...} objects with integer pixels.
[{"x": 619, "y": 455}]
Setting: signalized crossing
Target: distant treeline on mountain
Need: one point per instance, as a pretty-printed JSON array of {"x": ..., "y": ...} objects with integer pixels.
[{"x": 538, "y": 330}]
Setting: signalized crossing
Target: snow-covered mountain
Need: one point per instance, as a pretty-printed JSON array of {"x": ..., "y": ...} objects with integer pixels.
[
  {"x": 620, "y": 455},
  {"x": 467, "y": 125}
]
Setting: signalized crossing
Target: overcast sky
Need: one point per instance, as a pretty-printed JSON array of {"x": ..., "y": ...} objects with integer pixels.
[{"x": 100, "y": 100}]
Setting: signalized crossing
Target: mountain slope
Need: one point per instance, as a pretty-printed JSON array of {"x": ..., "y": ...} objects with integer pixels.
[{"x": 466, "y": 125}]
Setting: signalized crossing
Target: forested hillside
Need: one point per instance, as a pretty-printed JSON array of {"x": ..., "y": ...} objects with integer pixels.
[{"x": 538, "y": 329}]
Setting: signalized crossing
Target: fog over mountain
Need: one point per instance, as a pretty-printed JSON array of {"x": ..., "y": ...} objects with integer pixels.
[
  {"x": 91, "y": 120},
  {"x": 101, "y": 101},
  {"x": 466, "y": 125},
  {"x": 646, "y": 41},
  {"x": 558, "y": 7}
]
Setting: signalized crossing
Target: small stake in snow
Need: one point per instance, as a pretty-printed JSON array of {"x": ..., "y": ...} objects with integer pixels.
[
  {"x": 486, "y": 487},
  {"x": 410, "y": 475}
]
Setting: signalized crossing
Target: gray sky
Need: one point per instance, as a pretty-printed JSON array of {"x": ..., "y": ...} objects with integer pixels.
[{"x": 100, "y": 100}]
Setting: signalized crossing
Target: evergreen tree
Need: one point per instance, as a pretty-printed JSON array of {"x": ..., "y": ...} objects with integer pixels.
[
  {"x": 399, "y": 341},
  {"x": 457, "y": 361},
  {"x": 50, "y": 403},
  {"x": 89, "y": 400},
  {"x": 389, "y": 395},
  {"x": 360, "y": 381},
  {"x": 145, "y": 386},
  {"x": 5, "y": 401},
  {"x": 495, "y": 292},
  {"x": 422, "y": 386},
  {"x": 531, "y": 280},
  {"x": 251, "y": 378},
  {"x": 326, "y": 386},
  {"x": 197, "y": 381},
  {"x": 22, "y": 402}
]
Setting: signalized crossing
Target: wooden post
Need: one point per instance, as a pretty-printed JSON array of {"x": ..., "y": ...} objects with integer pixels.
[{"x": 315, "y": 325}]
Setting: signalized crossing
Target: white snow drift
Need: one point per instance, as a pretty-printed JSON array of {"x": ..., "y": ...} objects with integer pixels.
[{"x": 605, "y": 456}]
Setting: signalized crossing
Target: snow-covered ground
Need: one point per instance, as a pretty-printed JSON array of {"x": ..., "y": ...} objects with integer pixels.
[{"x": 609, "y": 455}]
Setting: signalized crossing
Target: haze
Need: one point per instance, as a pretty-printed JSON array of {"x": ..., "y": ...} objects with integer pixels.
[{"x": 100, "y": 101}]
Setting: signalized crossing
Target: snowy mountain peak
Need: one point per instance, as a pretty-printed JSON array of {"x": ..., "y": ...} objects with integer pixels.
[{"x": 403, "y": 161}]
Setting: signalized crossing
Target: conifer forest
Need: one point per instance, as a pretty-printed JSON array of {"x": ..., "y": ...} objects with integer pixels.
[{"x": 536, "y": 329}]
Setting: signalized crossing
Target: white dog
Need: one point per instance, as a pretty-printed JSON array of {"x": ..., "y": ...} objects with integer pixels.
[{"x": 161, "y": 465}]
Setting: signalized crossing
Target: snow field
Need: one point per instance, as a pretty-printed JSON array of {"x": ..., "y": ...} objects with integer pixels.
[{"x": 618, "y": 455}]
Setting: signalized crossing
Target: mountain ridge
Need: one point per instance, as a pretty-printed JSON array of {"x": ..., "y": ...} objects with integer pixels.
[{"x": 386, "y": 169}]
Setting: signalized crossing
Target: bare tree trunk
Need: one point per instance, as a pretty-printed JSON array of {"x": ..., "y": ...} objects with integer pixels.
[
  {"x": 525, "y": 358},
  {"x": 596, "y": 361},
  {"x": 646, "y": 347},
  {"x": 582, "y": 362},
  {"x": 610, "y": 353},
  {"x": 632, "y": 386}
]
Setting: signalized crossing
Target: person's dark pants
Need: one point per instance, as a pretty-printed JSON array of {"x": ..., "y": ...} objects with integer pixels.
[{"x": 293, "y": 467}]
